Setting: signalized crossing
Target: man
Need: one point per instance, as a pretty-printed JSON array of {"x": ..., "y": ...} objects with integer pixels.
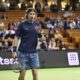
[{"x": 28, "y": 56}]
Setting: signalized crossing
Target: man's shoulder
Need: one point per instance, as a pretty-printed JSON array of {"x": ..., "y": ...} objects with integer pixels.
[{"x": 22, "y": 23}]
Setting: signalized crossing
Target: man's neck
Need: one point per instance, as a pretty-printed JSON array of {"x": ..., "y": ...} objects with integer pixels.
[{"x": 30, "y": 21}]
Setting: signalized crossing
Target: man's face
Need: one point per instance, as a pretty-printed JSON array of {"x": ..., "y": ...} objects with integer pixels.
[{"x": 31, "y": 16}]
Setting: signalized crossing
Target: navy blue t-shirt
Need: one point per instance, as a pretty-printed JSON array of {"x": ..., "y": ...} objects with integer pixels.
[{"x": 28, "y": 35}]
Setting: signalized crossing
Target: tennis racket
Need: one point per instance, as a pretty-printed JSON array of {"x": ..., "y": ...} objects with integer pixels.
[{"x": 15, "y": 66}]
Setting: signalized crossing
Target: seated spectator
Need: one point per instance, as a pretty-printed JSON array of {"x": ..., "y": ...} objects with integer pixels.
[
  {"x": 72, "y": 24},
  {"x": 1, "y": 34},
  {"x": 3, "y": 6},
  {"x": 38, "y": 6},
  {"x": 67, "y": 7},
  {"x": 42, "y": 44},
  {"x": 52, "y": 44},
  {"x": 11, "y": 39},
  {"x": 74, "y": 7},
  {"x": 50, "y": 35},
  {"x": 13, "y": 5},
  {"x": 78, "y": 7},
  {"x": 38, "y": 45},
  {"x": 4, "y": 16},
  {"x": 30, "y": 4},
  {"x": 23, "y": 6},
  {"x": 58, "y": 23},
  {"x": 1, "y": 24},
  {"x": 5, "y": 38},
  {"x": 67, "y": 14},
  {"x": 49, "y": 25},
  {"x": 66, "y": 24},
  {"x": 58, "y": 37},
  {"x": 8, "y": 38},
  {"x": 46, "y": 7},
  {"x": 46, "y": 19},
  {"x": 53, "y": 7},
  {"x": 78, "y": 22},
  {"x": 12, "y": 26}
]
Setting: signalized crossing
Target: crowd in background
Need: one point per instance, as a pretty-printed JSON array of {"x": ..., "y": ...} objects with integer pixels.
[
  {"x": 53, "y": 39},
  {"x": 53, "y": 7}
]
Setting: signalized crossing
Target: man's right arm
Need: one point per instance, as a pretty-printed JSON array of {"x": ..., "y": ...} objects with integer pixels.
[{"x": 15, "y": 45}]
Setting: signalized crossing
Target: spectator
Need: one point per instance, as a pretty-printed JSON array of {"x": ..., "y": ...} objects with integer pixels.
[
  {"x": 78, "y": 22},
  {"x": 72, "y": 24},
  {"x": 43, "y": 45},
  {"x": 3, "y": 6},
  {"x": 13, "y": 5},
  {"x": 52, "y": 44},
  {"x": 46, "y": 19},
  {"x": 30, "y": 4},
  {"x": 23, "y": 6},
  {"x": 67, "y": 7},
  {"x": 50, "y": 26},
  {"x": 66, "y": 24},
  {"x": 53, "y": 7},
  {"x": 38, "y": 45},
  {"x": 1, "y": 24},
  {"x": 38, "y": 6},
  {"x": 74, "y": 7},
  {"x": 58, "y": 38},
  {"x": 4, "y": 16},
  {"x": 46, "y": 7},
  {"x": 5, "y": 38}
]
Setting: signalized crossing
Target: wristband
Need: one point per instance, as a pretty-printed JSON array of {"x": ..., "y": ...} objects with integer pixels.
[{"x": 14, "y": 49}]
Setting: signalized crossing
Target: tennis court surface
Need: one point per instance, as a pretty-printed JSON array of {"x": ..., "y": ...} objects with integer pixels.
[{"x": 45, "y": 74}]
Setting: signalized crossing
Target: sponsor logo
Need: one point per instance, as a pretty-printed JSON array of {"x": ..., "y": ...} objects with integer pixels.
[
  {"x": 73, "y": 58},
  {"x": 6, "y": 61}
]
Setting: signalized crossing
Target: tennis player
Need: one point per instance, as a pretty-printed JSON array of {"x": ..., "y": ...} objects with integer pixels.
[{"x": 28, "y": 56}]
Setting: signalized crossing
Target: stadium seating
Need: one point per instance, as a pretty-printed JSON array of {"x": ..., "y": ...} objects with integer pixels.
[{"x": 72, "y": 35}]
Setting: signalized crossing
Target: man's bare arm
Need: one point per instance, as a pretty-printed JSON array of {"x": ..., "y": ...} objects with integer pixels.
[{"x": 15, "y": 45}]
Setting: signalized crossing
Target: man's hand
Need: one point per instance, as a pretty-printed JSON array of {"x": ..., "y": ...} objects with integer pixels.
[
  {"x": 14, "y": 55},
  {"x": 38, "y": 28}
]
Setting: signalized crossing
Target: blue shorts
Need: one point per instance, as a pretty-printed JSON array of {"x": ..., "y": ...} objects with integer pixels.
[{"x": 28, "y": 60}]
